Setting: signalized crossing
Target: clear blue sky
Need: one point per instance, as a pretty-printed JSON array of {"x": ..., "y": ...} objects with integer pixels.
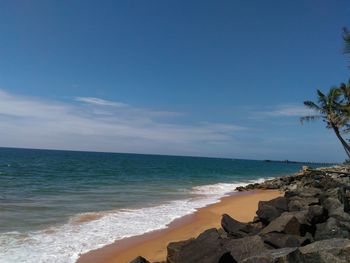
[{"x": 209, "y": 78}]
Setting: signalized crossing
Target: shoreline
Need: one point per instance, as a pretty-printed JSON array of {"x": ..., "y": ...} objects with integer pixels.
[{"x": 153, "y": 245}]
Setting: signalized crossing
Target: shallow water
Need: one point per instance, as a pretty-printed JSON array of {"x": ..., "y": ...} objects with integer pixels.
[{"x": 57, "y": 204}]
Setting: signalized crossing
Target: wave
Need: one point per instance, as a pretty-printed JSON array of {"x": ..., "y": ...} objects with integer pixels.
[{"x": 89, "y": 231}]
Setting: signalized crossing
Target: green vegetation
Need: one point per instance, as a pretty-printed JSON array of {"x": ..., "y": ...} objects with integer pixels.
[{"x": 333, "y": 108}]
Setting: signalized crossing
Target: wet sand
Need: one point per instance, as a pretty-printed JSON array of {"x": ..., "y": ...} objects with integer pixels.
[{"x": 241, "y": 206}]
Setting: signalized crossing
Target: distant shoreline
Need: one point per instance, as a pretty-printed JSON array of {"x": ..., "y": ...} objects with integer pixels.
[{"x": 299, "y": 162}]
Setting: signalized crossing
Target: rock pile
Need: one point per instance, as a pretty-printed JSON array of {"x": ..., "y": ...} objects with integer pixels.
[{"x": 309, "y": 224}]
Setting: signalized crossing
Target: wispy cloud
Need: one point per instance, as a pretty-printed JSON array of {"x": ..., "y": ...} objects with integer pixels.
[
  {"x": 288, "y": 110},
  {"x": 103, "y": 106},
  {"x": 98, "y": 101},
  {"x": 98, "y": 124}
]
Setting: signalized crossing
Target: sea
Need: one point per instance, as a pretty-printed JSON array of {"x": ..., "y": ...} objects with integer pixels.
[{"x": 55, "y": 205}]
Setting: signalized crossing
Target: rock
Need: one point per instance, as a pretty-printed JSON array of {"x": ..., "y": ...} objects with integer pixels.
[
  {"x": 240, "y": 188},
  {"x": 280, "y": 203},
  {"x": 237, "y": 229},
  {"x": 335, "y": 250},
  {"x": 227, "y": 258},
  {"x": 344, "y": 197},
  {"x": 305, "y": 225},
  {"x": 245, "y": 247},
  {"x": 282, "y": 255},
  {"x": 206, "y": 248},
  {"x": 281, "y": 240},
  {"x": 303, "y": 192},
  {"x": 331, "y": 204},
  {"x": 267, "y": 213},
  {"x": 330, "y": 229},
  {"x": 304, "y": 168},
  {"x": 298, "y": 203},
  {"x": 139, "y": 260},
  {"x": 326, "y": 182},
  {"x": 316, "y": 214},
  {"x": 344, "y": 225},
  {"x": 340, "y": 214},
  {"x": 287, "y": 223}
]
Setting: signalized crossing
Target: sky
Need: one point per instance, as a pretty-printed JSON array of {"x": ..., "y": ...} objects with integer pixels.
[{"x": 204, "y": 78}]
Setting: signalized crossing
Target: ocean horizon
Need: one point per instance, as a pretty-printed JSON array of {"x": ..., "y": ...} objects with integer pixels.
[{"x": 56, "y": 205}]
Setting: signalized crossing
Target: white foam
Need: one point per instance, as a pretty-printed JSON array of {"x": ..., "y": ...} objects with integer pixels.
[{"x": 64, "y": 243}]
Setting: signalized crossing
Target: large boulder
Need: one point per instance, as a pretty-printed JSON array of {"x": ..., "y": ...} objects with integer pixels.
[
  {"x": 317, "y": 214},
  {"x": 280, "y": 203},
  {"x": 237, "y": 229},
  {"x": 339, "y": 214},
  {"x": 336, "y": 250},
  {"x": 281, "y": 240},
  {"x": 326, "y": 182},
  {"x": 344, "y": 197},
  {"x": 269, "y": 210},
  {"x": 282, "y": 255},
  {"x": 286, "y": 223},
  {"x": 267, "y": 213},
  {"x": 206, "y": 248},
  {"x": 332, "y": 228},
  {"x": 305, "y": 225},
  {"x": 245, "y": 247},
  {"x": 298, "y": 203},
  {"x": 331, "y": 204},
  {"x": 304, "y": 192}
]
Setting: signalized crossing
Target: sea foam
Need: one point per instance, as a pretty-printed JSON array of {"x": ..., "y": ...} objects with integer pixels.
[{"x": 85, "y": 232}]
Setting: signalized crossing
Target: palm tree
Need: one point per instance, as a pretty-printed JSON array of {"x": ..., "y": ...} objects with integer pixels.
[
  {"x": 345, "y": 107},
  {"x": 329, "y": 108}
]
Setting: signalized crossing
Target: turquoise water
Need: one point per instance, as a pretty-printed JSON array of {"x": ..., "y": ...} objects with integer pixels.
[{"x": 91, "y": 199}]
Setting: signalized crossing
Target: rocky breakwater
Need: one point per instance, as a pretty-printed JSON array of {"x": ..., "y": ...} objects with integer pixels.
[{"x": 310, "y": 223}]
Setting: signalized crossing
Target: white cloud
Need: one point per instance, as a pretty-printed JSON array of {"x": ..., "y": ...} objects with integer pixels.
[
  {"x": 289, "y": 110},
  {"x": 102, "y": 125},
  {"x": 98, "y": 101}
]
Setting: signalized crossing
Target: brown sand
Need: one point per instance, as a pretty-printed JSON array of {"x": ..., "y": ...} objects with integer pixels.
[{"x": 241, "y": 206}]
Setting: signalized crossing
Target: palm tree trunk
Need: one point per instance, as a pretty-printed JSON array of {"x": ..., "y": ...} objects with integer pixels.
[{"x": 342, "y": 141}]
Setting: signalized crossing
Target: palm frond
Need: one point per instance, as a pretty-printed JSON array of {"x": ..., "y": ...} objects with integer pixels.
[
  {"x": 312, "y": 105},
  {"x": 321, "y": 98},
  {"x": 310, "y": 118},
  {"x": 334, "y": 94}
]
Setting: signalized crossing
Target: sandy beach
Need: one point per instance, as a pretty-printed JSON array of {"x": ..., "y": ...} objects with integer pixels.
[{"x": 241, "y": 206}]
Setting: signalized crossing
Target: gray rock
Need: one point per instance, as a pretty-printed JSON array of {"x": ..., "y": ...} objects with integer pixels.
[
  {"x": 316, "y": 214},
  {"x": 206, "y": 248},
  {"x": 307, "y": 192},
  {"x": 283, "y": 255},
  {"x": 281, "y": 240},
  {"x": 331, "y": 204},
  {"x": 267, "y": 213},
  {"x": 330, "y": 229},
  {"x": 237, "y": 229},
  {"x": 344, "y": 197},
  {"x": 305, "y": 225},
  {"x": 336, "y": 250},
  {"x": 245, "y": 247},
  {"x": 280, "y": 203},
  {"x": 298, "y": 203},
  {"x": 287, "y": 223},
  {"x": 339, "y": 214}
]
